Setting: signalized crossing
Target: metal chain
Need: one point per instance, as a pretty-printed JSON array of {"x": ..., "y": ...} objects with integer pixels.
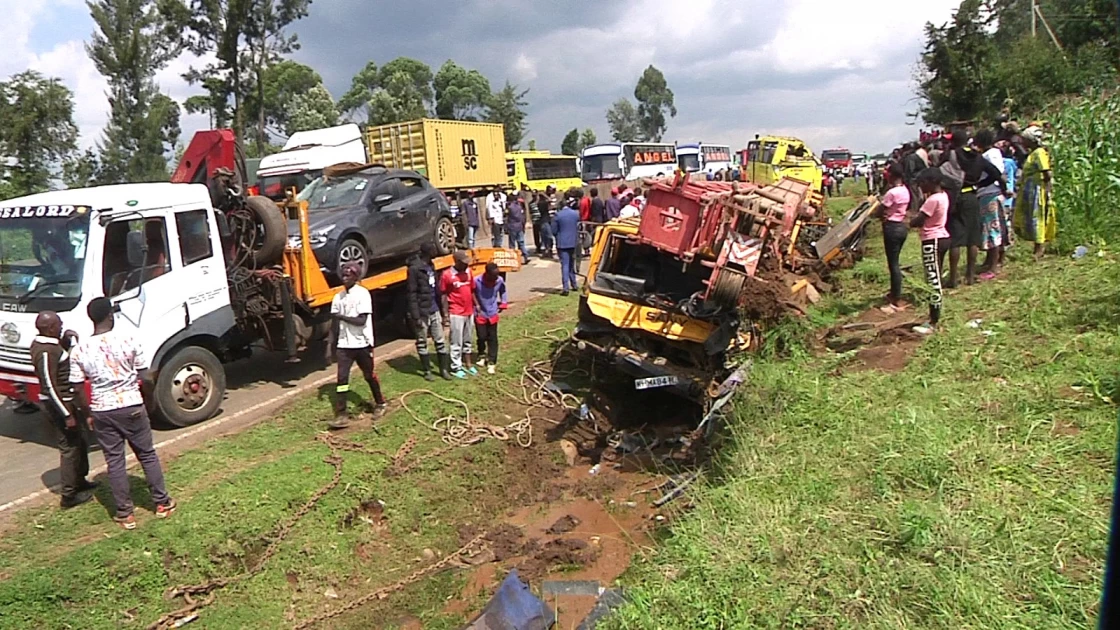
[{"x": 384, "y": 591}]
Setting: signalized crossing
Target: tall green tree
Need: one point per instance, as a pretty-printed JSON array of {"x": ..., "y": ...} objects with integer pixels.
[
  {"x": 570, "y": 144},
  {"x": 230, "y": 30},
  {"x": 281, "y": 83},
  {"x": 956, "y": 83},
  {"x": 38, "y": 132},
  {"x": 356, "y": 100},
  {"x": 508, "y": 108},
  {"x": 267, "y": 41},
  {"x": 399, "y": 91},
  {"x": 655, "y": 100},
  {"x": 624, "y": 122},
  {"x": 587, "y": 139},
  {"x": 128, "y": 47},
  {"x": 313, "y": 109},
  {"x": 460, "y": 94}
]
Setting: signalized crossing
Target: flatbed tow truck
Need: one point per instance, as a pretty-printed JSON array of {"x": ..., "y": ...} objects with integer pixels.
[{"x": 186, "y": 273}]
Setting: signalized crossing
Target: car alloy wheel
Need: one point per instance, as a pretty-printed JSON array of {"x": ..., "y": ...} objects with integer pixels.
[{"x": 352, "y": 252}]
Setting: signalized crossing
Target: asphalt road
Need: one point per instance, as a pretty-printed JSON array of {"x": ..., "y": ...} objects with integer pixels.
[{"x": 257, "y": 387}]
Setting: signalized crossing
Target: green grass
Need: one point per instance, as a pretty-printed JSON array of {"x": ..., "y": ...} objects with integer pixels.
[
  {"x": 971, "y": 490},
  {"x": 76, "y": 569}
]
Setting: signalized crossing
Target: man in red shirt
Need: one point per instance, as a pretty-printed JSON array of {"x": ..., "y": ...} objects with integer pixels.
[{"x": 456, "y": 288}]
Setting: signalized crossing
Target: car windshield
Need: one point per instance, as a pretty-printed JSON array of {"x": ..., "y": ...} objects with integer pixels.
[
  {"x": 335, "y": 192},
  {"x": 42, "y": 258},
  {"x": 551, "y": 168},
  {"x": 836, "y": 155},
  {"x": 689, "y": 162},
  {"x": 601, "y": 167}
]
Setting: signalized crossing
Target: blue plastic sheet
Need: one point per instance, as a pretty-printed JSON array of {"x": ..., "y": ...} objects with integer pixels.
[{"x": 513, "y": 607}]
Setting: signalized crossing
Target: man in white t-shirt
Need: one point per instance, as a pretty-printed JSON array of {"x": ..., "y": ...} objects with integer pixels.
[
  {"x": 113, "y": 363},
  {"x": 352, "y": 310},
  {"x": 496, "y": 212}
]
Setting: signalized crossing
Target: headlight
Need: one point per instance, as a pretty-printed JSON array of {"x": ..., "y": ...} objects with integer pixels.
[{"x": 318, "y": 237}]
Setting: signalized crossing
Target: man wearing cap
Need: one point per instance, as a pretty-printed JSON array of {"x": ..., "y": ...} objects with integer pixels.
[
  {"x": 614, "y": 205},
  {"x": 457, "y": 289},
  {"x": 113, "y": 362},
  {"x": 50, "y": 354},
  {"x": 352, "y": 311}
]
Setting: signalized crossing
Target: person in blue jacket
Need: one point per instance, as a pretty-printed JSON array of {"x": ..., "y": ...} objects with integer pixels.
[{"x": 565, "y": 225}]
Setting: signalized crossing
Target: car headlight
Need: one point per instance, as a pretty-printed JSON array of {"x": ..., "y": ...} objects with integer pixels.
[{"x": 318, "y": 237}]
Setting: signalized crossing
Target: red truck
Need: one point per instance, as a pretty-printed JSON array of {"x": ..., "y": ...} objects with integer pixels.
[{"x": 833, "y": 159}]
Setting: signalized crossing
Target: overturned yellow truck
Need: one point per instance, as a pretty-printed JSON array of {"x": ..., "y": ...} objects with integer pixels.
[{"x": 673, "y": 297}]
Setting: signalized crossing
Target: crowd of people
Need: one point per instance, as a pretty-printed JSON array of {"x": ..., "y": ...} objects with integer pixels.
[{"x": 966, "y": 193}]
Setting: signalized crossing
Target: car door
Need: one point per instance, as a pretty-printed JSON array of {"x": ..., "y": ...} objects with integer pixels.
[
  {"x": 420, "y": 207},
  {"x": 382, "y": 204}
]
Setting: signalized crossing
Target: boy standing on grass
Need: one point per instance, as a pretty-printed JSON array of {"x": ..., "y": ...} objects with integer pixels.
[
  {"x": 457, "y": 288},
  {"x": 490, "y": 299},
  {"x": 352, "y": 309},
  {"x": 931, "y": 220}
]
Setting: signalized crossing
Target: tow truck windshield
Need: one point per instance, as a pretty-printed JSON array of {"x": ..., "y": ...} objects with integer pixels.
[{"x": 42, "y": 258}]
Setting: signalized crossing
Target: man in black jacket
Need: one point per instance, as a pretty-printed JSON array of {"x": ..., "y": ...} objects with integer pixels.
[
  {"x": 50, "y": 354},
  {"x": 424, "y": 311}
]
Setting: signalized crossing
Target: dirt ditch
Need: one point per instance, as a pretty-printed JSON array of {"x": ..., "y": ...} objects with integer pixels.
[
  {"x": 584, "y": 500},
  {"x": 883, "y": 341}
]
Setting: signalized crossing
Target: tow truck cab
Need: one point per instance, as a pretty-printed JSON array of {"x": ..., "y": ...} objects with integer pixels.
[{"x": 155, "y": 250}]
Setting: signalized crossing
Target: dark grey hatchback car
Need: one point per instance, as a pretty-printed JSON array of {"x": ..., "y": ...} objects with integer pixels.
[{"x": 371, "y": 216}]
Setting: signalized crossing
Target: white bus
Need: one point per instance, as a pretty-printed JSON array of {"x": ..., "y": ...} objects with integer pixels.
[
  {"x": 627, "y": 161},
  {"x": 700, "y": 157}
]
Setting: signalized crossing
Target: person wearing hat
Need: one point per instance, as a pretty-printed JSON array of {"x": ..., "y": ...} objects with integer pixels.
[
  {"x": 456, "y": 287},
  {"x": 352, "y": 311},
  {"x": 1036, "y": 218}
]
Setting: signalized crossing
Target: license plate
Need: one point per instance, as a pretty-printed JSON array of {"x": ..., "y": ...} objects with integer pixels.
[{"x": 655, "y": 381}]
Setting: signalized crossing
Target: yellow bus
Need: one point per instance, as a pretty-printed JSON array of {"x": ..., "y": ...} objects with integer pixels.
[
  {"x": 541, "y": 169},
  {"x": 770, "y": 158}
]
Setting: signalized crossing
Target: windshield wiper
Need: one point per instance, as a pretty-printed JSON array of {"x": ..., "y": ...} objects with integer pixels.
[{"x": 26, "y": 297}]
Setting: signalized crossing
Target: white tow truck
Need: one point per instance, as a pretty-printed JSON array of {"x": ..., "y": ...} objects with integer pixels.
[{"x": 176, "y": 271}]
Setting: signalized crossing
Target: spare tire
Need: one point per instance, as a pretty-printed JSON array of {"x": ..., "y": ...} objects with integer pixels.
[{"x": 272, "y": 231}]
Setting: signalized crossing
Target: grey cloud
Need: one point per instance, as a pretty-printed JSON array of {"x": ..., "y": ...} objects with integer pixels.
[{"x": 588, "y": 53}]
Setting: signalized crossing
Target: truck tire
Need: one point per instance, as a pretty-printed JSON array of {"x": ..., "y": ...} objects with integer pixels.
[
  {"x": 190, "y": 386},
  {"x": 445, "y": 236},
  {"x": 272, "y": 231}
]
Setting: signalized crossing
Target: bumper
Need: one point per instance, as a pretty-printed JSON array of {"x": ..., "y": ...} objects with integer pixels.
[
  {"x": 22, "y": 387},
  {"x": 688, "y": 383}
]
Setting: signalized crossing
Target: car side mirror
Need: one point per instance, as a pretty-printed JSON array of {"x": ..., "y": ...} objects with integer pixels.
[{"x": 381, "y": 201}]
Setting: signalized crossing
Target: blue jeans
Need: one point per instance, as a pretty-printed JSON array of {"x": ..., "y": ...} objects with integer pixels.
[
  {"x": 472, "y": 232},
  {"x": 569, "y": 266},
  {"x": 496, "y": 234},
  {"x": 517, "y": 241},
  {"x": 546, "y": 237}
]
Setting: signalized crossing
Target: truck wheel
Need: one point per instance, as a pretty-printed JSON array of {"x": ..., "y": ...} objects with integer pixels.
[
  {"x": 445, "y": 236},
  {"x": 190, "y": 386},
  {"x": 272, "y": 231}
]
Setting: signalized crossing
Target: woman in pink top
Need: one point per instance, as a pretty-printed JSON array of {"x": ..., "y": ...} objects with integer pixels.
[
  {"x": 892, "y": 210},
  {"x": 931, "y": 220}
]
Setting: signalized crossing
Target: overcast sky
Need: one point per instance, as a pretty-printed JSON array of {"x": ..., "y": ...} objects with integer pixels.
[{"x": 832, "y": 73}]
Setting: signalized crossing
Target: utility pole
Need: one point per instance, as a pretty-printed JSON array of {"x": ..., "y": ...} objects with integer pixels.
[{"x": 1034, "y": 18}]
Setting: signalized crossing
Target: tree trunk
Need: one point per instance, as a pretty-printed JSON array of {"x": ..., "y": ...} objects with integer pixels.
[{"x": 260, "y": 102}]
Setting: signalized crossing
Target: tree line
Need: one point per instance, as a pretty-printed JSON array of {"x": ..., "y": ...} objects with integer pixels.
[
  {"x": 250, "y": 86},
  {"x": 1015, "y": 57}
]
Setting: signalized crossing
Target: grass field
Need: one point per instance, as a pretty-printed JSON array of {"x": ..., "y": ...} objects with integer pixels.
[
  {"x": 969, "y": 490},
  {"x": 76, "y": 569}
]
